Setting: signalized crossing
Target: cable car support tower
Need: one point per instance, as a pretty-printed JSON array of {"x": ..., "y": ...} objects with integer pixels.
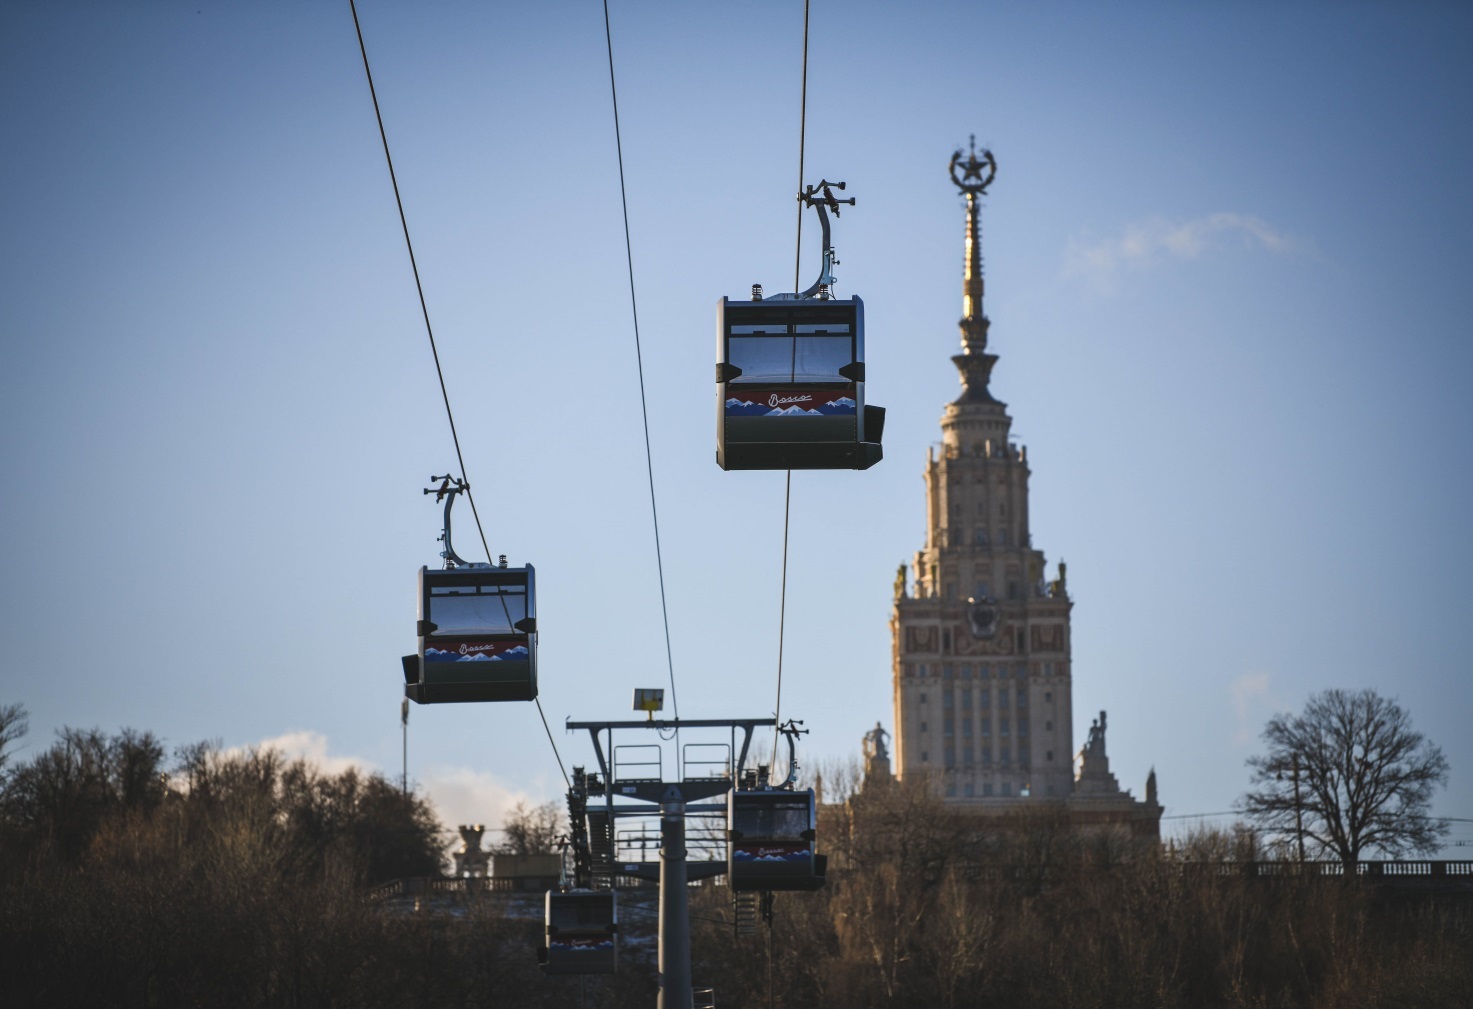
[{"x": 787, "y": 862}]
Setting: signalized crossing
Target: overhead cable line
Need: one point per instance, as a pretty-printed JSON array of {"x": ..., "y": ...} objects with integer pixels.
[
  {"x": 429, "y": 329},
  {"x": 639, "y": 361},
  {"x": 782, "y": 613}
]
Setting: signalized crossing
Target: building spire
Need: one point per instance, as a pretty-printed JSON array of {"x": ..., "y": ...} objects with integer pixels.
[{"x": 972, "y": 176}]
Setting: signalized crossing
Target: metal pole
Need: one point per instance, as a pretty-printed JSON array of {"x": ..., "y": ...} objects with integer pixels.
[
  {"x": 404, "y": 723},
  {"x": 674, "y": 957},
  {"x": 1298, "y": 816}
]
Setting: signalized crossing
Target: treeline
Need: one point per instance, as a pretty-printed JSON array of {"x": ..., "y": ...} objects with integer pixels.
[
  {"x": 923, "y": 909},
  {"x": 213, "y": 878}
]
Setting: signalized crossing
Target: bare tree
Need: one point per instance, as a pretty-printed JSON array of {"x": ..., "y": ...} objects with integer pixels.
[
  {"x": 1347, "y": 776},
  {"x": 13, "y": 726},
  {"x": 530, "y": 831}
]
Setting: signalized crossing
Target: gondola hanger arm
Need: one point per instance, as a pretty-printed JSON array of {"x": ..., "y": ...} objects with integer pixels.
[
  {"x": 821, "y": 198},
  {"x": 450, "y": 486}
]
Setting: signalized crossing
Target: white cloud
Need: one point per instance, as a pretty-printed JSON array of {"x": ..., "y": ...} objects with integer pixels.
[
  {"x": 458, "y": 794},
  {"x": 312, "y": 748},
  {"x": 1245, "y": 690},
  {"x": 1146, "y": 243},
  {"x": 463, "y": 795}
]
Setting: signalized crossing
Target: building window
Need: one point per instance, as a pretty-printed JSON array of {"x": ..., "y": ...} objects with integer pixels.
[
  {"x": 947, "y": 726},
  {"x": 1022, "y": 698},
  {"x": 946, "y": 645},
  {"x": 1049, "y": 789},
  {"x": 1048, "y": 669},
  {"x": 950, "y": 590},
  {"x": 987, "y": 790},
  {"x": 967, "y": 698},
  {"x": 986, "y": 754},
  {"x": 982, "y": 591},
  {"x": 981, "y": 537},
  {"x": 967, "y": 756},
  {"x": 1012, "y": 590},
  {"x": 1004, "y": 754},
  {"x": 1002, "y": 509},
  {"x": 946, "y": 672},
  {"x": 1002, "y": 537},
  {"x": 1007, "y": 788},
  {"x": 966, "y": 672},
  {"x": 1002, "y": 696},
  {"x": 967, "y": 790},
  {"x": 923, "y": 670},
  {"x": 1002, "y": 725},
  {"x": 924, "y": 727},
  {"x": 950, "y": 758},
  {"x": 981, "y": 672},
  {"x": 951, "y": 790},
  {"x": 925, "y": 757},
  {"x": 1049, "y": 757},
  {"x": 923, "y": 697},
  {"x": 1022, "y": 644},
  {"x": 1048, "y": 727},
  {"x": 1048, "y": 695},
  {"x": 1021, "y": 669},
  {"x": 946, "y": 698},
  {"x": 967, "y": 727}
]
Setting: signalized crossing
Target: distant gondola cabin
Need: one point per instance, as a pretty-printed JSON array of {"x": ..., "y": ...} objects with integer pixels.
[
  {"x": 790, "y": 386},
  {"x": 477, "y": 636},
  {"x": 770, "y": 844},
  {"x": 582, "y": 932}
]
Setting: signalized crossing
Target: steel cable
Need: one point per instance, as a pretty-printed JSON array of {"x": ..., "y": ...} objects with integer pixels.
[
  {"x": 429, "y": 330},
  {"x": 639, "y": 361}
]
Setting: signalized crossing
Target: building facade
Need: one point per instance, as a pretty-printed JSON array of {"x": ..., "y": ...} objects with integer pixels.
[{"x": 981, "y": 646}]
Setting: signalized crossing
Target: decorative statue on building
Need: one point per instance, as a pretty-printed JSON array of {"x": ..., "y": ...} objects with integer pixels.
[
  {"x": 470, "y": 860},
  {"x": 1096, "y": 744},
  {"x": 874, "y": 743},
  {"x": 900, "y": 582},
  {"x": 1060, "y": 586}
]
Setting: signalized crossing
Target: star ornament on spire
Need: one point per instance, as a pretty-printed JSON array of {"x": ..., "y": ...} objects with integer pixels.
[{"x": 976, "y": 173}]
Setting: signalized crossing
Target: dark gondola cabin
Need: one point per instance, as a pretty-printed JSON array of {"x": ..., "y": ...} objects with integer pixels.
[
  {"x": 582, "y": 932},
  {"x": 770, "y": 841},
  {"x": 477, "y": 636},
  {"x": 790, "y": 386}
]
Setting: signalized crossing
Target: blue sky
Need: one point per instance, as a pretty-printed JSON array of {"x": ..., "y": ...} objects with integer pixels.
[{"x": 1227, "y": 262}]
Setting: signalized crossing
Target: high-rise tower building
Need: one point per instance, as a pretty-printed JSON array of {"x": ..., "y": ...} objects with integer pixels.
[
  {"x": 981, "y": 646},
  {"x": 981, "y": 640}
]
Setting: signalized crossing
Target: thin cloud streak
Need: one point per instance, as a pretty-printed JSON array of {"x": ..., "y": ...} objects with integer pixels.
[
  {"x": 1245, "y": 689},
  {"x": 1145, "y": 244}
]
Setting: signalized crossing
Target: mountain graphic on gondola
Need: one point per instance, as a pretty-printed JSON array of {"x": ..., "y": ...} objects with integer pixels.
[
  {"x": 746, "y": 408},
  {"x": 793, "y": 411},
  {"x": 511, "y": 655},
  {"x": 519, "y": 653},
  {"x": 768, "y": 855},
  {"x": 838, "y": 406}
]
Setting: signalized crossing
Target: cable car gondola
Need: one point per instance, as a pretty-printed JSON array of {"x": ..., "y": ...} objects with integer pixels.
[
  {"x": 770, "y": 840},
  {"x": 582, "y": 932},
  {"x": 477, "y": 628},
  {"x": 790, "y": 374}
]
